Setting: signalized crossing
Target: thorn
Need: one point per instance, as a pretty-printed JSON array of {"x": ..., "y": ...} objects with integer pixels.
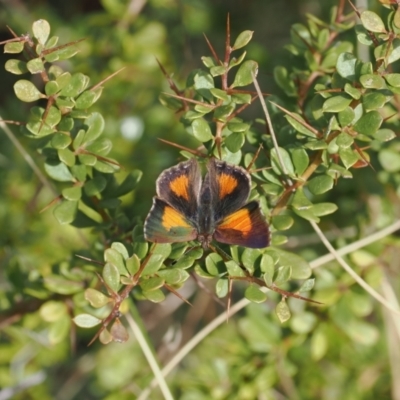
[
  {"x": 57, "y": 199},
  {"x": 172, "y": 290},
  {"x": 178, "y": 146},
  {"x": 106, "y": 79},
  {"x": 90, "y": 260}
]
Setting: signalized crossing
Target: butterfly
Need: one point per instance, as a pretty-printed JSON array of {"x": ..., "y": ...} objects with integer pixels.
[{"x": 188, "y": 207}]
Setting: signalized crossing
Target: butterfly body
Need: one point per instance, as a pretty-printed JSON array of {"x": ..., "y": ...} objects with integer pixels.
[{"x": 189, "y": 208}]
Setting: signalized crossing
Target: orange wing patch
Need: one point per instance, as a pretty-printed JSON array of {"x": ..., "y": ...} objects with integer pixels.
[
  {"x": 180, "y": 186},
  {"x": 227, "y": 184},
  {"x": 173, "y": 219},
  {"x": 239, "y": 221}
]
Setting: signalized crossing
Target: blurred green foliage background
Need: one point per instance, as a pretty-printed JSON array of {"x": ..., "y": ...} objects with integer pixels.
[{"x": 252, "y": 355}]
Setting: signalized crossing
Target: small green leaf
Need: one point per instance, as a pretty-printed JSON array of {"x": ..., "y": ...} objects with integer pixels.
[
  {"x": 95, "y": 125},
  {"x": 13, "y": 47},
  {"x": 59, "y": 172},
  {"x": 121, "y": 249},
  {"x": 66, "y": 156},
  {"x": 238, "y": 126},
  {"x": 153, "y": 283},
  {"x": 336, "y": 103},
  {"x": 75, "y": 86},
  {"x": 217, "y": 71},
  {"x": 26, "y": 91},
  {"x": 100, "y": 147},
  {"x": 35, "y": 66},
  {"x": 86, "y": 321},
  {"x": 346, "y": 66},
  {"x": 87, "y": 159},
  {"x": 282, "y": 222},
  {"x": 300, "y": 267},
  {"x": 250, "y": 258},
  {"x": 96, "y": 298},
  {"x": 16, "y": 67},
  {"x": 234, "y": 269},
  {"x": 88, "y": 98},
  {"x": 132, "y": 264},
  {"x": 307, "y": 215},
  {"x": 234, "y": 141},
  {"x": 284, "y": 81},
  {"x": 129, "y": 183},
  {"x": 95, "y": 186},
  {"x": 115, "y": 258},
  {"x": 344, "y": 140},
  {"x": 208, "y": 61},
  {"x": 301, "y": 128},
  {"x": 384, "y": 135},
  {"x": 60, "y": 140},
  {"x": 282, "y": 311},
  {"x": 392, "y": 79},
  {"x": 279, "y": 240},
  {"x": 300, "y": 160},
  {"x": 41, "y": 31},
  {"x": 320, "y": 184},
  {"x": 65, "y": 212},
  {"x": 372, "y": 81},
  {"x": 254, "y": 294},
  {"x": 73, "y": 193},
  {"x": 234, "y": 61},
  {"x": 369, "y": 123},
  {"x": 244, "y": 75},
  {"x": 155, "y": 296},
  {"x": 111, "y": 277},
  {"x": 223, "y": 112},
  {"x": 214, "y": 264},
  {"x": 154, "y": 263},
  {"x": 79, "y": 172},
  {"x": 307, "y": 285},
  {"x": 201, "y": 130},
  {"x": 267, "y": 266},
  {"x": 222, "y": 287},
  {"x": 372, "y": 22},
  {"x": 374, "y": 100},
  {"x": 284, "y": 274},
  {"x": 286, "y": 160},
  {"x": 346, "y": 117},
  {"x": 242, "y": 40},
  {"x": 300, "y": 200},
  {"x": 348, "y": 157},
  {"x": 220, "y": 94},
  {"x": 175, "y": 276},
  {"x": 140, "y": 246},
  {"x": 355, "y": 93},
  {"x": 322, "y": 209},
  {"x": 272, "y": 189},
  {"x": 241, "y": 98}
]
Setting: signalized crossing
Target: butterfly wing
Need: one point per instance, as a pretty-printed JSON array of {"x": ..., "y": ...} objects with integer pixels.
[
  {"x": 244, "y": 227},
  {"x": 226, "y": 186},
  {"x": 179, "y": 186},
  {"x": 164, "y": 224}
]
